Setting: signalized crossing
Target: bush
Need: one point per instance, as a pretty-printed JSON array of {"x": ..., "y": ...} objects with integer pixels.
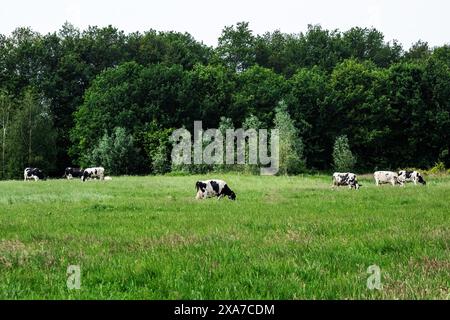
[
  {"x": 342, "y": 156},
  {"x": 115, "y": 152},
  {"x": 439, "y": 168},
  {"x": 160, "y": 163},
  {"x": 292, "y": 160},
  {"x": 157, "y": 145}
]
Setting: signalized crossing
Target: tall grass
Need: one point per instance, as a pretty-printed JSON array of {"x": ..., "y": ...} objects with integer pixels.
[{"x": 284, "y": 238}]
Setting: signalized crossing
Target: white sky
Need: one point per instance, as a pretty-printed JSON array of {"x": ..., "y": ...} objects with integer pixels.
[{"x": 404, "y": 20}]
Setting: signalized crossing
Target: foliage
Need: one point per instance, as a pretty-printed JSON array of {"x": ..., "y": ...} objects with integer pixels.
[
  {"x": 31, "y": 138},
  {"x": 157, "y": 147},
  {"x": 438, "y": 168},
  {"x": 235, "y": 46},
  {"x": 354, "y": 83},
  {"x": 116, "y": 152},
  {"x": 343, "y": 159},
  {"x": 291, "y": 145}
]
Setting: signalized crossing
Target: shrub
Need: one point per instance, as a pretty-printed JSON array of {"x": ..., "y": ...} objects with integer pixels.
[
  {"x": 439, "y": 168},
  {"x": 342, "y": 156},
  {"x": 292, "y": 160},
  {"x": 115, "y": 152},
  {"x": 156, "y": 141}
]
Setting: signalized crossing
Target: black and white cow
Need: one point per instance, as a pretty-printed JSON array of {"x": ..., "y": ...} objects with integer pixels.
[
  {"x": 211, "y": 188},
  {"x": 70, "y": 173},
  {"x": 33, "y": 173},
  {"x": 345, "y": 179},
  {"x": 92, "y": 173},
  {"x": 411, "y": 176},
  {"x": 387, "y": 177}
]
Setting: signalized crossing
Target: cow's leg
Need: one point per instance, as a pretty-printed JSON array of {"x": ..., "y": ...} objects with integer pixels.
[
  {"x": 377, "y": 183},
  {"x": 219, "y": 196}
]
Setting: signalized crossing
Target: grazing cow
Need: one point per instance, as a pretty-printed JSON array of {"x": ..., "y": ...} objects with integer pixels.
[
  {"x": 387, "y": 177},
  {"x": 33, "y": 173},
  {"x": 211, "y": 188},
  {"x": 70, "y": 173},
  {"x": 345, "y": 179},
  {"x": 411, "y": 176},
  {"x": 91, "y": 173}
]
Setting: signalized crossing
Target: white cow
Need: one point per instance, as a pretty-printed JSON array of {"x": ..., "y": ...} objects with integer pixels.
[
  {"x": 345, "y": 179},
  {"x": 91, "y": 173},
  {"x": 33, "y": 173},
  {"x": 408, "y": 176},
  {"x": 387, "y": 177}
]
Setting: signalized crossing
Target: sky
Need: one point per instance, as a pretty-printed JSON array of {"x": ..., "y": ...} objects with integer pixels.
[{"x": 404, "y": 20}]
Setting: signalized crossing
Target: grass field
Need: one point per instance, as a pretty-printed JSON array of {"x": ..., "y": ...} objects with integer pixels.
[{"x": 284, "y": 238}]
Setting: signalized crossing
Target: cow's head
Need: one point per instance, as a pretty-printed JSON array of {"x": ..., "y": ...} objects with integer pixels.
[
  {"x": 85, "y": 175},
  {"x": 420, "y": 179},
  {"x": 232, "y": 196},
  {"x": 354, "y": 184}
]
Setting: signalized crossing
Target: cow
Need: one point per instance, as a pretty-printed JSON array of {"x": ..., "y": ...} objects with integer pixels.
[
  {"x": 345, "y": 179},
  {"x": 387, "y": 177},
  {"x": 33, "y": 173},
  {"x": 211, "y": 188},
  {"x": 91, "y": 173},
  {"x": 411, "y": 176},
  {"x": 71, "y": 173}
]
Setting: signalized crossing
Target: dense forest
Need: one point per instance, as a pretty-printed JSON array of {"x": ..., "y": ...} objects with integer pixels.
[{"x": 103, "y": 97}]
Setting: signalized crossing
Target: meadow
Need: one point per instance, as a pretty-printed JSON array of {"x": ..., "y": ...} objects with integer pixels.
[{"x": 283, "y": 238}]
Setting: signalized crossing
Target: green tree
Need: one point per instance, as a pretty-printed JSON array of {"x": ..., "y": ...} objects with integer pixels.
[
  {"x": 291, "y": 146},
  {"x": 235, "y": 46},
  {"x": 156, "y": 141},
  {"x": 210, "y": 90},
  {"x": 258, "y": 91},
  {"x": 365, "y": 44},
  {"x": 343, "y": 159},
  {"x": 225, "y": 124},
  {"x": 308, "y": 101},
  {"x": 6, "y": 110},
  {"x": 116, "y": 152},
  {"x": 359, "y": 107},
  {"x": 418, "y": 51},
  {"x": 251, "y": 122},
  {"x": 32, "y": 137},
  {"x": 130, "y": 96}
]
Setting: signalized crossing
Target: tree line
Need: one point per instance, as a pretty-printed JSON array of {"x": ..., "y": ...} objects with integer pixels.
[{"x": 103, "y": 97}]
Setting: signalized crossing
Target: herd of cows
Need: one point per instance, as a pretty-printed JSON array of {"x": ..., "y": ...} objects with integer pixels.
[
  {"x": 69, "y": 173},
  {"x": 349, "y": 179},
  {"x": 219, "y": 188}
]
